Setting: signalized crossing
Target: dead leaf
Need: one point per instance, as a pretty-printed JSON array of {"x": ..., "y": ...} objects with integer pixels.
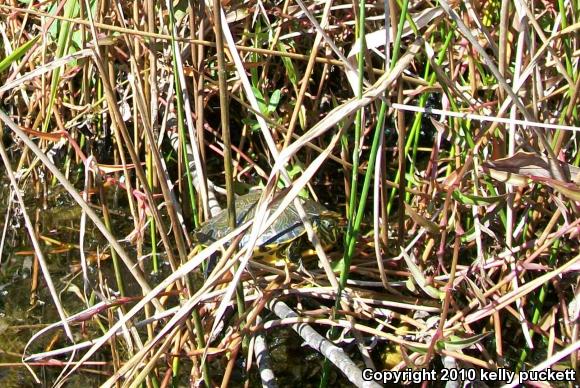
[
  {"x": 431, "y": 226},
  {"x": 525, "y": 166},
  {"x": 529, "y": 165}
]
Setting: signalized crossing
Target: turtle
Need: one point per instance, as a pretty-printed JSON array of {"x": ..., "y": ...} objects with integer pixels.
[{"x": 285, "y": 238}]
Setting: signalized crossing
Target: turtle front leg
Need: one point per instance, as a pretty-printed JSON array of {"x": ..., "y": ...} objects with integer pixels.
[{"x": 294, "y": 256}]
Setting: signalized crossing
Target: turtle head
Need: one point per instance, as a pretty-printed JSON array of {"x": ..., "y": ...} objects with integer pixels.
[{"x": 329, "y": 227}]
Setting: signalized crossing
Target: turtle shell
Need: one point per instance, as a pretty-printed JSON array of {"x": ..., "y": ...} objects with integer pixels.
[{"x": 287, "y": 228}]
